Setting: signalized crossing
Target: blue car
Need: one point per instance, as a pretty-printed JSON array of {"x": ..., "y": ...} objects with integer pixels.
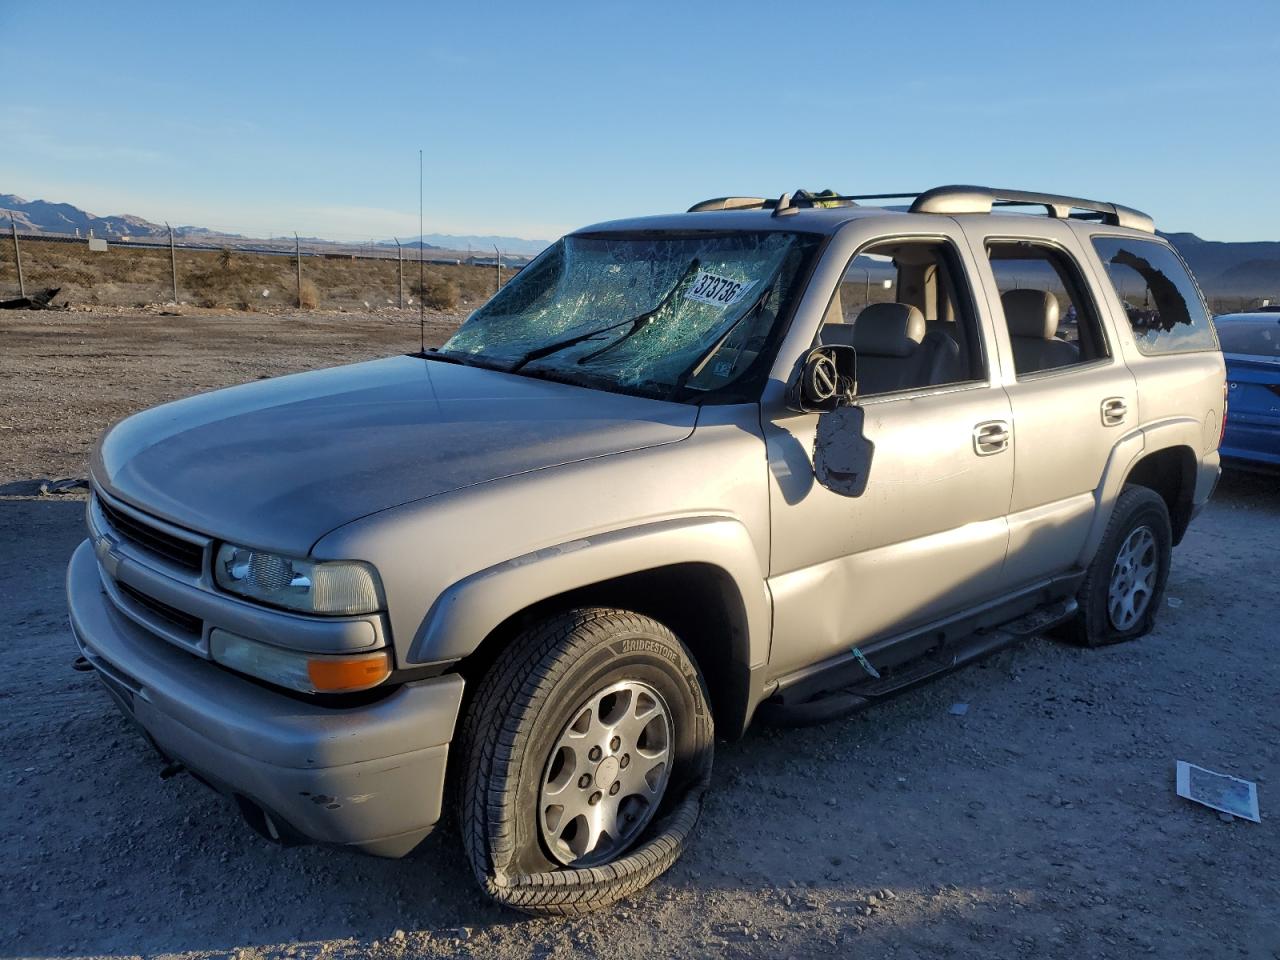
[{"x": 1251, "y": 346}]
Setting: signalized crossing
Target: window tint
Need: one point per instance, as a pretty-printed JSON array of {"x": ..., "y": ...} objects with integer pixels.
[
  {"x": 1159, "y": 296},
  {"x": 1051, "y": 317},
  {"x": 904, "y": 307},
  {"x": 1259, "y": 338}
]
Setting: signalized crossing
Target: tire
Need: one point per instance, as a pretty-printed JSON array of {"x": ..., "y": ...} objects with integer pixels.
[
  {"x": 1139, "y": 526},
  {"x": 522, "y": 733}
]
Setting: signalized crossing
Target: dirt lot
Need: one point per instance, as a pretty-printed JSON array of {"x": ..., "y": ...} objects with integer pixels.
[{"x": 1041, "y": 824}]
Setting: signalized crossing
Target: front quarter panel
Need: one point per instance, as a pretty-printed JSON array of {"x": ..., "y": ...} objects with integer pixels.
[{"x": 456, "y": 566}]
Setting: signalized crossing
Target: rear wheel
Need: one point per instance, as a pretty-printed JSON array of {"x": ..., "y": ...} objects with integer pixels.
[
  {"x": 1125, "y": 583},
  {"x": 587, "y": 750}
]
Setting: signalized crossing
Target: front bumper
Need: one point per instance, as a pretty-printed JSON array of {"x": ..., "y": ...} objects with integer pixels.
[{"x": 369, "y": 776}]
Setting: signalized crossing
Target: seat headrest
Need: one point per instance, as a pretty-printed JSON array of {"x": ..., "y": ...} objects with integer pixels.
[
  {"x": 888, "y": 330},
  {"x": 1030, "y": 313}
]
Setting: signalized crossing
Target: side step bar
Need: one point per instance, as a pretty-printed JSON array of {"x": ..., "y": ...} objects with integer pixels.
[{"x": 832, "y": 704}]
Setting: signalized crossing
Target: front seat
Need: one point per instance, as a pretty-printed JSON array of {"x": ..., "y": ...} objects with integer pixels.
[
  {"x": 1032, "y": 317},
  {"x": 887, "y": 339}
]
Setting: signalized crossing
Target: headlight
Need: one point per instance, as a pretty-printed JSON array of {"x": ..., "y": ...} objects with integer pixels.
[
  {"x": 311, "y": 586},
  {"x": 308, "y": 672}
]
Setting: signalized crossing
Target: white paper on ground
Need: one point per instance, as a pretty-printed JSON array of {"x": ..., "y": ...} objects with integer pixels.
[{"x": 1218, "y": 791}]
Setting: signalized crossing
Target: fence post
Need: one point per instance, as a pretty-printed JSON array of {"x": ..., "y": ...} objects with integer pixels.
[
  {"x": 173, "y": 264},
  {"x": 400, "y": 269},
  {"x": 17, "y": 257},
  {"x": 297, "y": 256},
  {"x": 498, "y": 253}
]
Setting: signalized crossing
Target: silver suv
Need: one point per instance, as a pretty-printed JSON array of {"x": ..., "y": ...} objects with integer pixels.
[{"x": 775, "y": 458}]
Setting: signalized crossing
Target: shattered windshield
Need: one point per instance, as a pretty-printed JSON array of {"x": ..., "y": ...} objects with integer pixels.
[{"x": 670, "y": 316}]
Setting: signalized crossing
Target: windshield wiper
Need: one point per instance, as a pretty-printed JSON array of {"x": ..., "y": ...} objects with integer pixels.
[{"x": 635, "y": 322}]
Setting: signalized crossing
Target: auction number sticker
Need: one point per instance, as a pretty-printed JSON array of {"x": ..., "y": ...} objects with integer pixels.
[{"x": 718, "y": 291}]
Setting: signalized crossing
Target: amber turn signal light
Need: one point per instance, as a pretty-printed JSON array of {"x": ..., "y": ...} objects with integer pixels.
[{"x": 341, "y": 674}]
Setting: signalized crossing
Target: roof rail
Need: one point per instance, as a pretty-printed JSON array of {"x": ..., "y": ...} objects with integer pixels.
[
  {"x": 787, "y": 203},
  {"x": 969, "y": 199},
  {"x": 946, "y": 200},
  {"x": 732, "y": 203}
]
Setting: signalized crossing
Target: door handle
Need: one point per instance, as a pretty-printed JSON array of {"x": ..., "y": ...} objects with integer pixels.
[
  {"x": 1114, "y": 410},
  {"x": 990, "y": 437}
]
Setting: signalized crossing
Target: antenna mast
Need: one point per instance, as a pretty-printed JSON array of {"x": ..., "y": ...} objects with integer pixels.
[{"x": 422, "y": 289}]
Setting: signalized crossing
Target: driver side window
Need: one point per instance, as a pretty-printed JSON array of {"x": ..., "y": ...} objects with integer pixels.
[{"x": 905, "y": 308}]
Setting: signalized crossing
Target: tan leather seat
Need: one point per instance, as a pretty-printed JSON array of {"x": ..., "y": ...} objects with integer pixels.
[
  {"x": 896, "y": 351},
  {"x": 1032, "y": 316},
  {"x": 887, "y": 337}
]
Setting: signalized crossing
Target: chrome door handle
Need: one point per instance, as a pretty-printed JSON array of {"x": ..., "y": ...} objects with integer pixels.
[
  {"x": 990, "y": 437},
  {"x": 1114, "y": 410}
]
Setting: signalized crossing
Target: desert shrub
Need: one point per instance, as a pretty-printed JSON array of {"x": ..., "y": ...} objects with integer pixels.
[
  {"x": 308, "y": 295},
  {"x": 440, "y": 294}
]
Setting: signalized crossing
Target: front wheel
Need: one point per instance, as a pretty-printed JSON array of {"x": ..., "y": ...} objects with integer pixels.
[
  {"x": 587, "y": 750},
  {"x": 1124, "y": 585}
]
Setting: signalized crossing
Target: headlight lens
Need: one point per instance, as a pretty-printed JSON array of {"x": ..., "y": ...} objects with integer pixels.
[
  {"x": 311, "y": 586},
  {"x": 308, "y": 672}
]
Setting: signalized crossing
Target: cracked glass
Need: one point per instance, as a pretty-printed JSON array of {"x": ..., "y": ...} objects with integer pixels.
[{"x": 676, "y": 317}]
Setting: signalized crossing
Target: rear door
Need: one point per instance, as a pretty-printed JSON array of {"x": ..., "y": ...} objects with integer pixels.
[{"x": 1071, "y": 396}]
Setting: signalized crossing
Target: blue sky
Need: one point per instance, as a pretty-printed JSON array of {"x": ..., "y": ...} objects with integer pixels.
[{"x": 538, "y": 117}]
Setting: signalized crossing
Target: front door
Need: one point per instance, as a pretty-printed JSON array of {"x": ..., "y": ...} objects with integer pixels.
[{"x": 925, "y": 535}]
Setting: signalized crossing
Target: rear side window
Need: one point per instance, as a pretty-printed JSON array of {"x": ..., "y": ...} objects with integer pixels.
[
  {"x": 1051, "y": 318},
  {"x": 1159, "y": 296}
]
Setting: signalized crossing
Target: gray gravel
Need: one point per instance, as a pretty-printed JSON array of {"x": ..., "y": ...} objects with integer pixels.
[{"x": 1041, "y": 823}]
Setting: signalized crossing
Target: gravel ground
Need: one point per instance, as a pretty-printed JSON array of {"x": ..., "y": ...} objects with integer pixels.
[{"x": 1043, "y": 823}]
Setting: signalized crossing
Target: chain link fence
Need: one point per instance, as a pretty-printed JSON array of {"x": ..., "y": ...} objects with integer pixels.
[{"x": 276, "y": 274}]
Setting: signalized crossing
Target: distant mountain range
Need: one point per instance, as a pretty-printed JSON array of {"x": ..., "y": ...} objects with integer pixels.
[
  {"x": 43, "y": 216},
  {"x": 481, "y": 245},
  {"x": 1223, "y": 268},
  {"x": 1250, "y": 269}
]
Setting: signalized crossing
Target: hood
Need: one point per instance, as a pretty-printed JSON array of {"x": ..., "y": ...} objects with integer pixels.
[{"x": 279, "y": 463}]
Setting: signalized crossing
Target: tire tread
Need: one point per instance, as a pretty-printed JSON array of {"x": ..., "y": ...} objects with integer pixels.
[{"x": 517, "y": 686}]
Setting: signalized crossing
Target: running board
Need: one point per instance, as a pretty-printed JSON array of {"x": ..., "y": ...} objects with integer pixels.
[{"x": 787, "y": 710}]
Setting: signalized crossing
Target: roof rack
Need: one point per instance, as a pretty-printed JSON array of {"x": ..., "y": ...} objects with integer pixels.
[
  {"x": 790, "y": 202},
  {"x": 967, "y": 199},
  {"x": 946, "y": 200}
]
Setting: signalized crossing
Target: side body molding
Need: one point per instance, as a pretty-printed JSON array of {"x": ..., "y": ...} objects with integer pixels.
[{"x": 465, "y": 613}]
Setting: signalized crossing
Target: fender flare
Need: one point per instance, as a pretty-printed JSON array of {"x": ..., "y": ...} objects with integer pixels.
[
  {"x": 469, "y": 610},
  {"x": 1128, "y": 450}
]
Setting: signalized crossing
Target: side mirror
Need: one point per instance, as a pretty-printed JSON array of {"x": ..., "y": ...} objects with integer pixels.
[{"x": 825, "y": 380}]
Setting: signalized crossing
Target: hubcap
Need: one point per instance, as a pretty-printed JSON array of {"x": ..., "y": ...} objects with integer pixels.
[
  {"x": 606, "y": 774},
  {"x": 1133, "y": 579}
]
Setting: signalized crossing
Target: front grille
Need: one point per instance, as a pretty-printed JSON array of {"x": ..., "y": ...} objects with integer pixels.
[
  {"x": 183, "y": 553},
  {"x": 183, "y": 621}
]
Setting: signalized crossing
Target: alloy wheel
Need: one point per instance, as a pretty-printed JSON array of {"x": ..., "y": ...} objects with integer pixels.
[{"x": 606, "y": 774}]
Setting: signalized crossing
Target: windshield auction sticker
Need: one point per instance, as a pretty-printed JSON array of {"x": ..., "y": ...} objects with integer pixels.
[{"x": 718, "y": 291}]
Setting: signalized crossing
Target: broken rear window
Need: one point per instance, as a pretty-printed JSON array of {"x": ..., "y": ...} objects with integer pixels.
[{"x": 673, "y": 316}]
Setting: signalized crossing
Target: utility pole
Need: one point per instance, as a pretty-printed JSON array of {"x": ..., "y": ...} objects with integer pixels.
[
  {"x": 173, "y": 264},
  {"x": 17, "y": 257},
  {"x": 297, "y": 256},
  {"x": 498, "y": 253},
  {"x": 400, "y": 269},
  {"x": 422, "y": 290}
]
